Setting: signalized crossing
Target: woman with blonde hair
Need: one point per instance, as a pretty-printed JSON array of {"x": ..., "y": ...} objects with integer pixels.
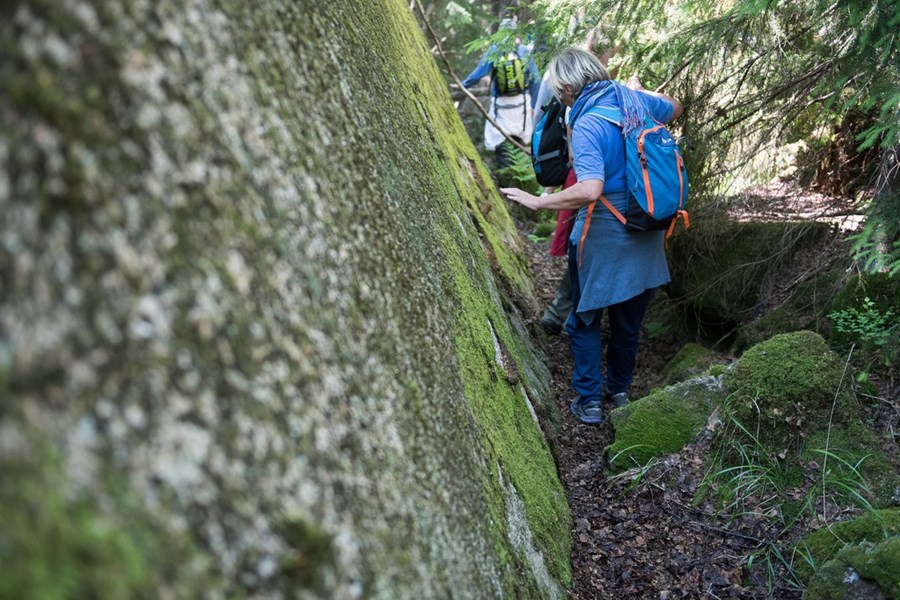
[
  {"x": 612, "y": 269},
  {"x": 557, "y": 312}
]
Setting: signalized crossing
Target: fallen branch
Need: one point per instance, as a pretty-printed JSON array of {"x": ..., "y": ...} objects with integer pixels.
[{"x": 468, "y": 94}]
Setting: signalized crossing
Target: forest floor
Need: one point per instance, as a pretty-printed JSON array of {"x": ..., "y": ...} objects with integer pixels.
[
  {"x": 648, "y": 541},
  {"x": 642, "y": 534}
]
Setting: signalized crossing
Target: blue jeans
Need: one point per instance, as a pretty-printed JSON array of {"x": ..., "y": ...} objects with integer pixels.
[{"x": 625, "y": 320}]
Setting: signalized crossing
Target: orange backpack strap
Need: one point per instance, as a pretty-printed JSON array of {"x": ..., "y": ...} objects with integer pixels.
[
  {"x": 613, "y": 210},
  {"x": 587, "y": 222},
  {"x": 681, "y": 214}
]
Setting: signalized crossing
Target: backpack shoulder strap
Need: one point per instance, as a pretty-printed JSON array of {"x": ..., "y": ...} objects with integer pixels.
[{"x": 613, "y": 115}]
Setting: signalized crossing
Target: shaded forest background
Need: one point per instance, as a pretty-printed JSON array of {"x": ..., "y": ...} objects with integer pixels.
[{"x": 807, "y": 91}]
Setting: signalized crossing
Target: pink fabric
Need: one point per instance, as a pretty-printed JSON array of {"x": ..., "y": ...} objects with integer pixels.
[{"x": 565, "y": 220}]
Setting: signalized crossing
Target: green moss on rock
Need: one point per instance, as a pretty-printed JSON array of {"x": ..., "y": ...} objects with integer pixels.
[
  {"x": 690, "y": 360},
  {"x": 661, "y": 423},
  {"x": 790, "y": 398},
  {"x": 59, "y": 541},
  {"x": 823, "y": 544},
  {"x": 311, "y": 556},
  {"x": 506, "y": 423},
  {"x": 866, "y": 570},
  {"x": 785, "y": 387}
]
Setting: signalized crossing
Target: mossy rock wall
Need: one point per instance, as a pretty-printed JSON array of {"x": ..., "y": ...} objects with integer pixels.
[
  {"x": 720, "y": 267},
  {"x": 261, "y": 319}
]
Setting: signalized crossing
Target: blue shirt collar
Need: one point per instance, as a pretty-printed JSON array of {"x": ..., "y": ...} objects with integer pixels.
[{"x": 588, "y": 97}]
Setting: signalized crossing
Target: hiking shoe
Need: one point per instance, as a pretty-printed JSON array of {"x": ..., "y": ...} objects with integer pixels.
[
  {"x": 588, "y": 411},
  {"x": 619, "y": 400}
]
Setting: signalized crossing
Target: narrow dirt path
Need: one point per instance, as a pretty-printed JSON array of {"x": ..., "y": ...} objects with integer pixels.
[{"x": 641, "y": 537}]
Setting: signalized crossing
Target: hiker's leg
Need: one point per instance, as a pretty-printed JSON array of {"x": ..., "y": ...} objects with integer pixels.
[
  {"x": 586, "y": 341},
  {"x": 505, "y": 154},
  {"x": 559, "y": 308},
  {"x": 624, "y": 331}
]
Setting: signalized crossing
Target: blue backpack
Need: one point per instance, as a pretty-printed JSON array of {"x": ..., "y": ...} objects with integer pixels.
[{"x": 655, "y": 175}]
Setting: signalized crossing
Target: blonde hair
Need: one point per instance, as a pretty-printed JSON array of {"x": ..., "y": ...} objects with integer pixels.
[{"x": 575, "y": 68}]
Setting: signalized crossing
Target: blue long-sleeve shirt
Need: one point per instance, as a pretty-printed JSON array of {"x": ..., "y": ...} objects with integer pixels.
[{"x": 485, "y": 67}]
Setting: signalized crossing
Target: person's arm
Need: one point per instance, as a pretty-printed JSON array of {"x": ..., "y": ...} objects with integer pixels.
[
  {"x": 576, "y": 196},
  {"x": 481, "y": 70},
  {"x": 677, "y": 109}
]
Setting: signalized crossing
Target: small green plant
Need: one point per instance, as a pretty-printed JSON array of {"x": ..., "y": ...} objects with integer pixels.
[
  {"x": 657, "y": 329},
  {"x": 637, "y": 473},
  {"x": 871, "y": 327},
  {"x": 843, "y": 480},
  {"x": 515, "y": 169},
  {"x": 778, "y": 567},
  {"x": 748, "y": 477},
  {"x": 542, "y": 231},
  {"x": 873, "y": 331}
]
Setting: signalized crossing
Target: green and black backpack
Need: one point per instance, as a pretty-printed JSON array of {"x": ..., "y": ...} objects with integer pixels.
[{"x": 509, "y": 73}]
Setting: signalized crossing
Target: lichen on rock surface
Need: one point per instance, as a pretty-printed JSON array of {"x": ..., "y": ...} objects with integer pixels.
[{"x": 252, "y": 282}]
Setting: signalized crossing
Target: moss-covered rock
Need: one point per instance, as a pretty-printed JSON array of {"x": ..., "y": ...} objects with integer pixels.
[
  {"x": 791, "y": 398},
  {"x": 785, "y": 388},
  {"x": 822, "y": 545},
  {"x": 663, "y": 422},
  {"x": 865, "y": 571},
  {"x": 690, "y": 360},
  {"x": 255, "y": 274}
]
